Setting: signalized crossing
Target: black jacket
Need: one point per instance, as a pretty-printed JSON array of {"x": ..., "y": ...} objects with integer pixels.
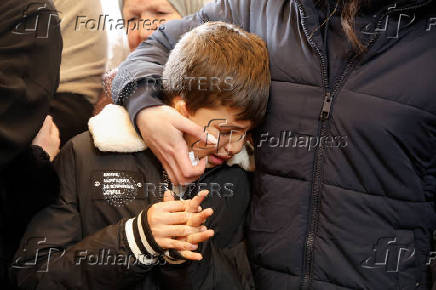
[
  {"x": 30, "y": 56},
  {"x": 82, "y": 241},
  {"x": 28, "y": 185},
  {"x": 357, "y": 212}
]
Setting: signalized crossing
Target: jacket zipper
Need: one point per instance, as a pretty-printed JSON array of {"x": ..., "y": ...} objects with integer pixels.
[
  {"x": 329, "y": 95},
  {"x": 306, "y": 282},
  {"x": 316, "y": 182}
]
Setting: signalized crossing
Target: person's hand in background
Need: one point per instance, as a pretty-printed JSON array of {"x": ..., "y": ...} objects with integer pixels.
[
  {"x": 162, "y": 129},
  {"x": 48, "y": 138}
]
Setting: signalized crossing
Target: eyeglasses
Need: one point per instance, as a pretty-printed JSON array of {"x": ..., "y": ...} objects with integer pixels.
[{"x": 223, "y": 133}]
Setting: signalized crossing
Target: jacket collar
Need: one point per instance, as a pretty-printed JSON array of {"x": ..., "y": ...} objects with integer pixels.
[
  {"x": 112, "y": 131},
  {"x": 374, "y": 10},
  {"x": 373, "y": 5}
]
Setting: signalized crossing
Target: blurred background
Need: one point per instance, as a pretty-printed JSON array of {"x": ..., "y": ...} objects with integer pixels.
[{"x": 118, "y": 47}]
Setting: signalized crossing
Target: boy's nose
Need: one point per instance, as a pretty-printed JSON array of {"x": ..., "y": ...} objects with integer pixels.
[{"x": 231, "y": 149}]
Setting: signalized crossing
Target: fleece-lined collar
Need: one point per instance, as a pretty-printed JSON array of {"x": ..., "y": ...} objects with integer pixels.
[{"x": 113, "y": 131}]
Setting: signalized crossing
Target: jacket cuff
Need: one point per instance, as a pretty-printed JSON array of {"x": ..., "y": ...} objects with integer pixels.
[
  {"x": 40, "y": 154},
  {"x": 138, "y": 243},
  {"x": 146, "y": 94},
  {"x": 173, "y": 257},
  {"x": 170, "y": 255}
]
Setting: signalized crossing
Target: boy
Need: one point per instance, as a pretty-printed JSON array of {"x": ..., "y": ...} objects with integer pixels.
[{"x": 110, "y": 228}]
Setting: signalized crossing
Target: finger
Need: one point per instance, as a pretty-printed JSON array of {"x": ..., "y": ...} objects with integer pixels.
[
  {"x": 197, "y": 219},
  {"x": 54, "y": 130},
  {"x": 168, "y": 196},
  {"x": 55, "y": 135},
  {"x": 156, "y": 148},
  {"x": 169, "y": 170},
  {"x": 168, "y": 243},
  {"x": 187, "y": 126},
  {"x": 188, "y": 255},
  {"x": 169, "y": 153},
  {"x": 45, "y": 128},
  {"x": 172, "y": 206},
  {"x": 186, "y": 172},
  {"x": 175, "y": 218},
  {"x": 47, "y": 122},
  {"x": 48, "y": 119},
  {"x": 175, "y": 231},
  {"x": 165, "y": 165},
  {"x": 194, "y": 204},
  {"x": 178, "y": 160},
  {"x": 178, "y": 174},
  {"x": 200, "y": 237}
]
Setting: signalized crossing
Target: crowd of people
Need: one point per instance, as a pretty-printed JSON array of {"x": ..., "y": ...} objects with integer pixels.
[{"x": 173, "y": 170}]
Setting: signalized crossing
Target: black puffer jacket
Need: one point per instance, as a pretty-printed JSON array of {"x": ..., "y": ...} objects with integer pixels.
[
  {"x": 88, "y": 238},
  {"x": 357, "y": 211}
]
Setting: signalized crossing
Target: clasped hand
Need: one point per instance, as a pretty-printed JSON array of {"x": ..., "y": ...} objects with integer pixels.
[{"x": 178, "y": 224}]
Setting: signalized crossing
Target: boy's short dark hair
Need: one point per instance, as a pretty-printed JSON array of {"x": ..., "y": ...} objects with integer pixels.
[{"x": 219, "y": 64}]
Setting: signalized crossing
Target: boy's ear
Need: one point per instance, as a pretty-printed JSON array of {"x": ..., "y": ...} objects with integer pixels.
[{"x": 180, "y": 105}]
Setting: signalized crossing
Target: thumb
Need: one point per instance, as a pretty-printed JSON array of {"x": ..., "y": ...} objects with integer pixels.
[
  {"x": 47, "y": 123},
  {"x": 168, "y": 196},
  {"x": 53, "y": 128}
]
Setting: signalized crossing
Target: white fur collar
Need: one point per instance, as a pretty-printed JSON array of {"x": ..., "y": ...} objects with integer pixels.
[{"x": 113, "y": 131}]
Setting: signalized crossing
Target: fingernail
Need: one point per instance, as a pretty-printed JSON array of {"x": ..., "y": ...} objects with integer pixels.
[
  {"x": 194, "y": 247},
  {"x": 203, "y": 228},
  {"x": 193, "y": 158}
]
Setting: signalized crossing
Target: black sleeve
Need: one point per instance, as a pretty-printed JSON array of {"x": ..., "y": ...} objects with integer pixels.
[
  {"x": 29, "y": 71},
  {"x": 25, "y": 199},
  {"x": 55, "y": 254},
  {"x": 225, "y": 262},
  {"x": 71, "y": 113},
  {"x": 132, "y": 86}
]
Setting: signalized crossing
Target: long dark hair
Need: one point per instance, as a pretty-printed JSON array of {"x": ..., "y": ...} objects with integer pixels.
[
  {"x": 349, "y": 10},
  {"x": 348, "y": 17}
]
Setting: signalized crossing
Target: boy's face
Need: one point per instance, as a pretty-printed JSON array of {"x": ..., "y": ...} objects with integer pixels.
[{"x": 219, "y": 121}]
